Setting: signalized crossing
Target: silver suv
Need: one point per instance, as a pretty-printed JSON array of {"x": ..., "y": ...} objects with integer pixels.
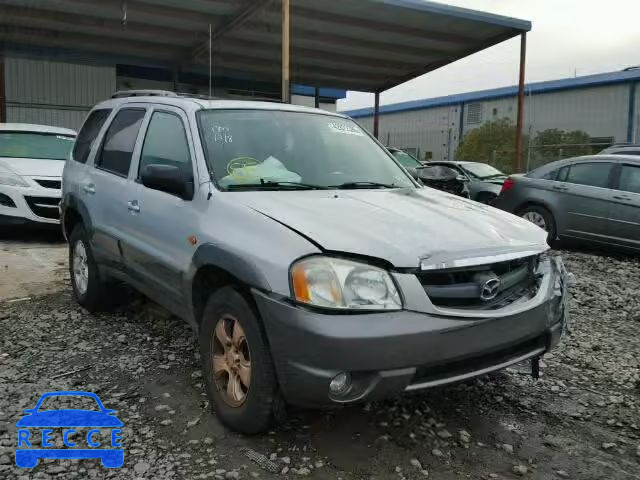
[{"x": 314, "y": 269}]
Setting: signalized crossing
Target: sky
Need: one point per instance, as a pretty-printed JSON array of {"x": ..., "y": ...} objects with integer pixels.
[{"x": 568, "y": 38}]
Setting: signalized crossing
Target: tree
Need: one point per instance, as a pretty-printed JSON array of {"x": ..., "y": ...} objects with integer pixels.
[
  {"x": 493, "y": 143},
  {"x": 554, "y": 144}
]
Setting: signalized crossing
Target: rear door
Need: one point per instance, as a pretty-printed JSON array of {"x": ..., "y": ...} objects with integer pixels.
[
  {"x": 107, "y": 185},
  {"x": 161, "y": 228},
  {"x": 625, "y": 209},
  {"x": 583, "y": 197}
]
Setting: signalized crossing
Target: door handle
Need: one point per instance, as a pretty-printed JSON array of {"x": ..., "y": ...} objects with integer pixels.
[
  {"x": 89, "y": 188},
  {"x": 560, "y": 187},
  {"x": 133, "y": 206},
  {"x": 622, "y": 197}
]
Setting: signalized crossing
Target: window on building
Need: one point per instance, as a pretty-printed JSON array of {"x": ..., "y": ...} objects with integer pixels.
[
  {"x": 166, "y": 143},
  {"x": 592, "y": 174},
  {"x": 119, "y": 141},
  {"x": 474, "y": 113},
  {"x": 629, "y": 178},
  {"x": 88, "y": 134},
  {"x": 494, "y": 112}
]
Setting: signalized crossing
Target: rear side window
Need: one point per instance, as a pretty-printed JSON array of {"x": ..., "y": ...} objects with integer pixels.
[
  {"x": 88, "y": 134},
  {"x": 550, "y": 175},
  {"x": 117, "y": 148},
  {"x": 629, "y": 179},
  {"x": 592, "y": 174},
  {"x": 166, "y": 143}
]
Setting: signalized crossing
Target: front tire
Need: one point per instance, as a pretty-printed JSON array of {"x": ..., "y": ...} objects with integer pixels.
[
  {"x": 543, "y": 218},
  {"x": 236, "y": 363},
  {"x": 89, "y": 289}
]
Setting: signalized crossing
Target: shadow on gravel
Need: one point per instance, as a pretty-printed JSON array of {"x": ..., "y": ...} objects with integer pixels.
[{"x": 32, "y": 234}]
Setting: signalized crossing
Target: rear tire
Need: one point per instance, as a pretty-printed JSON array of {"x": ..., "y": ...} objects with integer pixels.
[
  {"x": 90, "y": 290},
  {"x": 244, "y": 394},
  {"x": 541, "y": 217}
]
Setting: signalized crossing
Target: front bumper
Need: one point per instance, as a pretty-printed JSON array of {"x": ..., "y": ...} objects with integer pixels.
[
  {"x": 388, "y": 353},
  {"x": 30, "y": 204}
]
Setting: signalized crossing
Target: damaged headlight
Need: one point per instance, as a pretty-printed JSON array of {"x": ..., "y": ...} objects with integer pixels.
[{"x": 344, "y": 284}]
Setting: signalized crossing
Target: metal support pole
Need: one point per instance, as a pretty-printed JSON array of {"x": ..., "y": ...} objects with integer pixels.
[
  {"x": 3, "y": 99},
  {"x": 520, "y": 121},
  {"x": 317, "y": 97},
  {"x": 286, "y": 97},
  {"x": 376, "y": 115}
]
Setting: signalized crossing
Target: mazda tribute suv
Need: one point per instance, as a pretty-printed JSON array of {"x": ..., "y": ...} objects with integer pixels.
[{"x": 314, "y": 269}]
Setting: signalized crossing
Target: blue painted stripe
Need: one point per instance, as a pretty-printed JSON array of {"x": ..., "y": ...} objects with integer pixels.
[
  {"x": 632, "y": 112},
  {"x": 503, "y": 92}
]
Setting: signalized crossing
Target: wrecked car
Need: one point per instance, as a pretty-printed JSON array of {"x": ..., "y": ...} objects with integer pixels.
[{"x": 313, "y": 268}]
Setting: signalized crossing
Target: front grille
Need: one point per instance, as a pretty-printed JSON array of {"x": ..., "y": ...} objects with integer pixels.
[
  {"x": 467, "y": 287},
  {"x": 55, "y": 184},
  {"x": 45, "y": 207}
]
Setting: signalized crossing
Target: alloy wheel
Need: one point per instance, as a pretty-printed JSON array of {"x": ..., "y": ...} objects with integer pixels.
[
  {"x": 80, "y": 267},
  {"x": 231, "y": 361},
  {"x": 536, "y": 218}
]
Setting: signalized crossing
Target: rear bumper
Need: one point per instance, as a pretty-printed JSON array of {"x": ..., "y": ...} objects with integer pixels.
[{"x": 388, "y": 353}]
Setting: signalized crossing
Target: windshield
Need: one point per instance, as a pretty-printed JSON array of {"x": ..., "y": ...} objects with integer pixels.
[
  {"x": 45, "y": 146},
  {"x": 249, "y": 148},
  {"x": 482, "y": 170},
  {"x": 406, "y": 160}
]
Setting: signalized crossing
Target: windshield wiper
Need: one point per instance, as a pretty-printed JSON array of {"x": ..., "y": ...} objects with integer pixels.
[
  {"x": 276, "y": 185},
  {"x": 347, "y": 185}
]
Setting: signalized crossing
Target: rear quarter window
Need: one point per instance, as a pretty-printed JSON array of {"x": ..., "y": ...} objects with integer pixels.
[{"x": 88, "y": 134}]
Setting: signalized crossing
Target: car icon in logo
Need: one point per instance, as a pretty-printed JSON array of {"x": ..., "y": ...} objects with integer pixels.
[{"x": 68, "y": 419}]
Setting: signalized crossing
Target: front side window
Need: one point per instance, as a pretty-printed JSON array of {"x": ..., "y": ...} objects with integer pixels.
[
  {"x": 44, "y": 146},
  {"x": 257, "y": 147},
  {"x": 629, "y": 179},
  {"x": 88, "y": 134},
  {"x": 406, "y": 160},
  {"x": 166, "y": 143},
  {"x": 592, "y": 174},
  {"x": 119, "y": 141}
]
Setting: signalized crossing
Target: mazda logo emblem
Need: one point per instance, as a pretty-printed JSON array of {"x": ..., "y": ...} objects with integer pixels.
[{"x": 489, "y": 289}]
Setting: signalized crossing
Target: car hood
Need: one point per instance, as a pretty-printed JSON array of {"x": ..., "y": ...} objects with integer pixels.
[
  {"x": 401, "y": 226},
  {"x": 35, "y": 167},
  {"x": 69, "y": 418}
]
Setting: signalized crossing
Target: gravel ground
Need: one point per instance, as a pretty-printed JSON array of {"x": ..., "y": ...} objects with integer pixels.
[{"x": 581, "y": 420}]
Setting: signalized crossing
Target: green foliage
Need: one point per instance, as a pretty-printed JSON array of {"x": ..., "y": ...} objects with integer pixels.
[
  {"x": 553, "y": 144},
  {"x": 492, "y": 143}
]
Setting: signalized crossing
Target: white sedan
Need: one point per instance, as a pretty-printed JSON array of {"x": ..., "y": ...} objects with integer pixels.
[{"x": 31, "y": 161}]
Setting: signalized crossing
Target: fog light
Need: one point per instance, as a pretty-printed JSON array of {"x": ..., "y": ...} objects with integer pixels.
[{"x": 340, "y": 384}]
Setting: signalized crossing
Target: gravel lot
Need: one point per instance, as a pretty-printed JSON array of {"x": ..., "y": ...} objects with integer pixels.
[{"x": 581, "y": 420}]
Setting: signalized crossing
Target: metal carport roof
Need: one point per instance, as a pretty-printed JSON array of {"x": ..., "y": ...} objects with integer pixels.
[{"x": 365, "y": 45}]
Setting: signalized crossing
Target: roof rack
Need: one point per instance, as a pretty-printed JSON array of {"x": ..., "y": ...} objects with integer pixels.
[{"x": 143, "y": 93}]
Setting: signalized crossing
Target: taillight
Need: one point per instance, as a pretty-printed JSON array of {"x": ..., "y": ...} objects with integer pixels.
[{"x": 508, "y": 184}]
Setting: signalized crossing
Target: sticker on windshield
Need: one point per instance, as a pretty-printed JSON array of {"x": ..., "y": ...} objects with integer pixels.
[
  {"x": 221, "y": 134},
  {"x": 345, "y": 128},
  {"x": 240, "y": 162}
]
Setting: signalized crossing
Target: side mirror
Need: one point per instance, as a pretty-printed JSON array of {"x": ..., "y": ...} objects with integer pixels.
[
  {"x": 29, "y": 410},
  {"x": 462, "y": 178},
  {"x": 167, "y": 178}
]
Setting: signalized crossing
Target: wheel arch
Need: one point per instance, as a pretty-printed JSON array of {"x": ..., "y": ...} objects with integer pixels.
[
  {"x": 74, "y": 212},
  {"x": 214, "y": 267}
]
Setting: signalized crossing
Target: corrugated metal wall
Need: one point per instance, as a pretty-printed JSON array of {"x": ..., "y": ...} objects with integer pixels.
[
  {"x": 54, "y": 93},
  {"x": 430, "y": 133},
  {"x": 600, "y": 111}
]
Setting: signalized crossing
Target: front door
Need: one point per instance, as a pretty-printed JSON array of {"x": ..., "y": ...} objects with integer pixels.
[{"x": 161, "y": 228}]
